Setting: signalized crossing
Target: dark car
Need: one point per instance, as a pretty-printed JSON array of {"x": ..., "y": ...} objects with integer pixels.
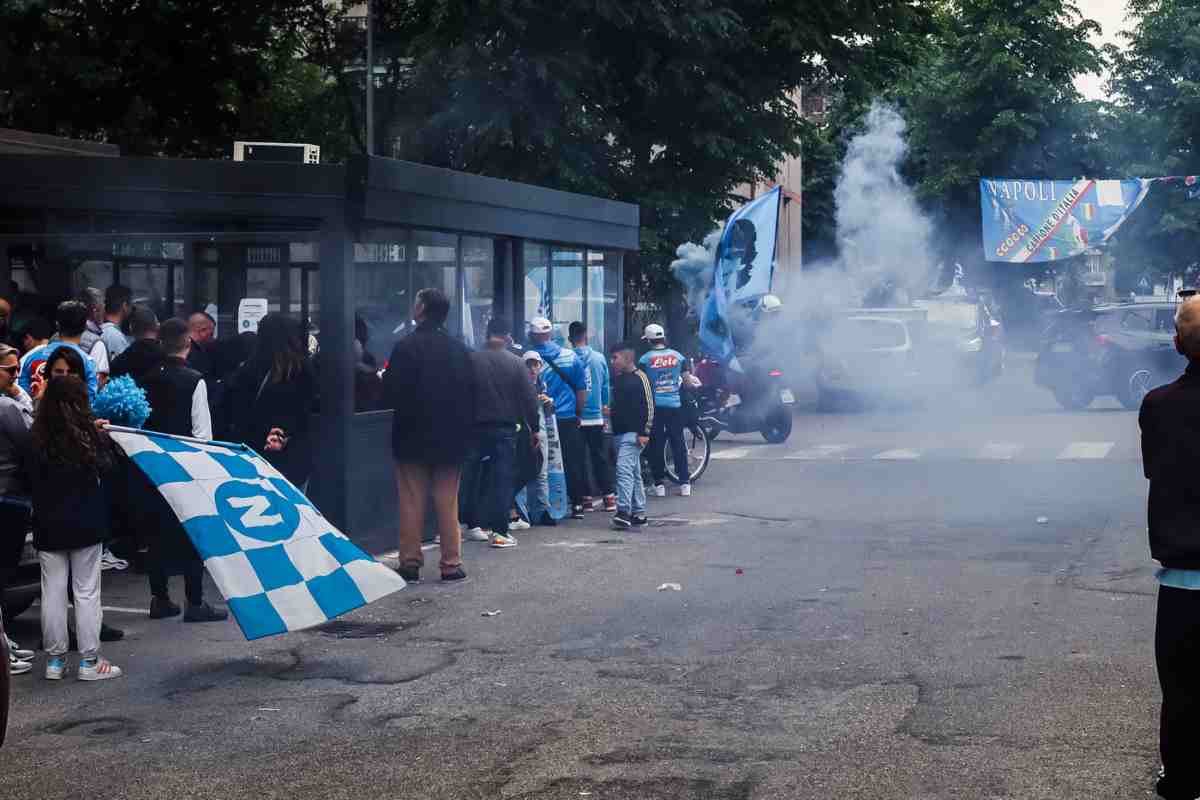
[
  {"x": 25, "y": 585},
  {"x": 1119, "y": 350}
]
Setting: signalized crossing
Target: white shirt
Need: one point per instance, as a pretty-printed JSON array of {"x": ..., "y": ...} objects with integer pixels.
[
  {"x": 201, "y": 417},
  {"x": 99, "y": 356}
]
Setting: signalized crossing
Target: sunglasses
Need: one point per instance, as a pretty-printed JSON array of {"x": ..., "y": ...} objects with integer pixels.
[{"x": 10, "y": 370}]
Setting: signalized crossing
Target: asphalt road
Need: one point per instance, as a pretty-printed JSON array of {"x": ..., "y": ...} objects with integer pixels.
[{"x": 849, "y": 626}]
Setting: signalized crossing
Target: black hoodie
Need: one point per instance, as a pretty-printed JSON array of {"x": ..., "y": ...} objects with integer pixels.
[{"x": 137, "y": 359}]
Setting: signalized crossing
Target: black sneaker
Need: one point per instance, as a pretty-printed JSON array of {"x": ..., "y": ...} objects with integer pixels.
[
  {"x": 162, "y": 608},
  {"x": 204, "y": 613},
  {"x": 577, "y": 512},
  {"x": 622, "y": 521},
  {"x": 640, "y": 520},
  {"x": 456, "y": 575},
  {"x": 108, "y": 634},
  {"x": 547, "y": 521},
  {"x": 410, "y": 574}
]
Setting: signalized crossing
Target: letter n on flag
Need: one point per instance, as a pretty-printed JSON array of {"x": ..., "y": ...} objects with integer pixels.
[{"x": 279, "y": 564}]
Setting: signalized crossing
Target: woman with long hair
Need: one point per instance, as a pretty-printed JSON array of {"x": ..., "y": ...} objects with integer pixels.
[
  {"x": 69, "y": 460},
  {"x": 272, "y": 398},
  {"x": 63, "y": 361}
]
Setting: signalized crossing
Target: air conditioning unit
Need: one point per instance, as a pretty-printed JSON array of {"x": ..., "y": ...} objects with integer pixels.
[{"x": 289, "y": 152}]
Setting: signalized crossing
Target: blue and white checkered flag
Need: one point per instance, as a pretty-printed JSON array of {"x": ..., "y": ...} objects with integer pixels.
[{"x": 280, "y": 565}]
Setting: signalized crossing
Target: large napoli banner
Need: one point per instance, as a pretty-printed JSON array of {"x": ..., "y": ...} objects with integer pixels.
[{"x": 1027, "y": 221}]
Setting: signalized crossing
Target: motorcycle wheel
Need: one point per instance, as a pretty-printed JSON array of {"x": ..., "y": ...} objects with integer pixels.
[
  {"x": 699, "y": 450},
  {"x": 777, "y": 426}
]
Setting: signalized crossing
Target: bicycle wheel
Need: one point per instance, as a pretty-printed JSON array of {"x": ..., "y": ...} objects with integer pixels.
[{"x": 699, "y": 450}]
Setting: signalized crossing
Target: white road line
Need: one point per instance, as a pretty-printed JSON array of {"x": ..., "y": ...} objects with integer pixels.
[
  {"x": 1000, "y": 451},
  {"x": 731, "y": 454},
  {"x": 898, "y": 455},
  {"x": 819, "y": 452},
  {"x": 1082, "y": 450}
]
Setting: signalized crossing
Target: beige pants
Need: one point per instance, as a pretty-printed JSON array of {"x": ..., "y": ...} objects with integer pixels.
[
  {"x": 414, "y": 482},
  {"x": 82, "y": 568}
]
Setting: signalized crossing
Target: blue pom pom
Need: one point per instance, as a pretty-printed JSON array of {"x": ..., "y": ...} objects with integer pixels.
[{"x": 122, "y": 402}]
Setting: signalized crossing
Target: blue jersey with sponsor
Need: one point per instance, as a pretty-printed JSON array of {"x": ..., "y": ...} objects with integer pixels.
[
  {"x": 562, "y": 392},
  {"x": 40, "y": 356},
  {"x": 665, "y": 368}
]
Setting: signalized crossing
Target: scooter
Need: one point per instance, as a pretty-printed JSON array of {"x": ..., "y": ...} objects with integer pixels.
[{"x": 753, "y": 401}]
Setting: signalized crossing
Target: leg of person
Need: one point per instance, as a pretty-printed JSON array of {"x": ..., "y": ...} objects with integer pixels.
[
  {"x": 412, "y": 490},
  {"x": 679, "y": 453},
  {"x": 14, "y": 524},
  {"x": 503, "y": 451},
  {"x": 596, "y": 443},
  {"x": 85, "y": 581},
  {"x": 193, "y": 585},
  {"x": 470, "y": 485},
  {"x": 658, "y": 464},
  {"x": 627, "y": 451},
  {"x": 445, "y": 479},
  {"x": 161, "y": 606},
  {"x": 573, "y": 461},
  {"x": 638, "y": 507},
  {"x": 56, "y": 570},
  {"x": 1177, "y": 653}
]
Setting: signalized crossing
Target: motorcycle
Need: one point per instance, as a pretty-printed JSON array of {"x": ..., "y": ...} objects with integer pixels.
[{"x": 753, "y": 401}]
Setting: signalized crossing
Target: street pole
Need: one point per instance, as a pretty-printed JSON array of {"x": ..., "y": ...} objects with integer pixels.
[{"x": 370, "y": 112}]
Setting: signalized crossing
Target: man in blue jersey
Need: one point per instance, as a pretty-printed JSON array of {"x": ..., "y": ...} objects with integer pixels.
[
  {"x": 591, "y": 424},
  {"x": 72, "y": 318},
  {"x": 566, "y": 383},
  {"x": 667, "y": 370}
]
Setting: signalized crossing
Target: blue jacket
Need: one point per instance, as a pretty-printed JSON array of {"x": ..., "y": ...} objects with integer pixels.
[
  {"x": 598, "y": 384},
  {"x": 569, "y": 364}
]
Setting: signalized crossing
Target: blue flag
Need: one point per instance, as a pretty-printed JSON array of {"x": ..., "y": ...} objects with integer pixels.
[
  {"x": 279, "y": 564},
  {"x": 743, "y": 268},
  {"x": 1028, "y": 221}
]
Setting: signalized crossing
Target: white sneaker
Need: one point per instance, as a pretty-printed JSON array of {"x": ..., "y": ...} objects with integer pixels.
[
  {"x": 478, "y": 535},
  {"x": 15, "y": 650},
  {"x": 18, "y": 666},
  {"x": 99, "y": 669},
  {"x": 55, "y": 667},
  {"x": 109, "y": 561},
  {"x": 518, "y": 525},
  {"x": 660, "y": 490},
  {"x": 685, "y": 490},
  {"x": 499, "y": 540}
]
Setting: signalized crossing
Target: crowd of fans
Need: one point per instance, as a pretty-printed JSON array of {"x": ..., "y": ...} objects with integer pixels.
[{"x": 503, "y": 438}]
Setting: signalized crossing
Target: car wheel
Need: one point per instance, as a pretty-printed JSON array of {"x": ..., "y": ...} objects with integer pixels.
[
  {"x": 1073, "y": 398},
  {"x": 1135, "y": 388}
]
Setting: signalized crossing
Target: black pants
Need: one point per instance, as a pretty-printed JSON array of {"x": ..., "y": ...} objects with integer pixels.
[
  {"x": 574, "y": 456},
  {"x": 599, "y": 453},
  {"x": 668, "y": 429},
  {"x": 14, "y": 524},
  {"x": 1177, "y": 653},
  {"x": 193, "y": 578}
]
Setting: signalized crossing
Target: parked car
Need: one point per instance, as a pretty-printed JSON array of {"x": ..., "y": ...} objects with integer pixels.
[
  {"x": 1122, "y": 350},
  {"x": 868, "y": 358},
  {"x": 25, "y": 585}
]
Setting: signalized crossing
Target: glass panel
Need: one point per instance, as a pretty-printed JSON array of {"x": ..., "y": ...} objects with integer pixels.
[
  {"x": 207, "y": 296},
  {"x": 613, "y": 332},
  {"x": 148, "y": 282},
  {"x": 478, "y": 284},
  {"x": 382, "y": 295},
  {"x": 601, "y": 304},
  {"x": 263, "y": 282},
  {"x": 180, "y": 300},
  {"x": 567, "y": 303},
  {"x": 94, "y": 273},
  {"x": 437, "y": 266},
  {"x": 313, "y": 305},
  {"x": 537, "y": 280}
]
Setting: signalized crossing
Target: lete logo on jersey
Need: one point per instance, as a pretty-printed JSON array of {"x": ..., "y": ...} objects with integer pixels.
[
  {"x": 668, "y": 361},
  {"x": 257, "y": 512}
]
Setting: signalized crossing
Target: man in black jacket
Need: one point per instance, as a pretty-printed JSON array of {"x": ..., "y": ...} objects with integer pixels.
[
  {"x": 505, "y": 408},
  {"x": 178, "y": 400},
  {"x": 430, "y": 384},
  {"x": 632, "y": 418},
  {"x": 1170, "y": 423},
  {"x": 144, "y": 353}
]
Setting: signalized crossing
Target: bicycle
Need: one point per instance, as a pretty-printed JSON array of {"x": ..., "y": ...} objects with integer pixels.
[{"x": 699, "y": 450}]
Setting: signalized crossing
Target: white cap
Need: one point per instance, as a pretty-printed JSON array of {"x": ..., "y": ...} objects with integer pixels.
[
  {"x": 769, "y": 303},
  {"x": 654, "y": 332},
  {"x": 540, "y": 325},
  {"x": 533, "y": 355}
]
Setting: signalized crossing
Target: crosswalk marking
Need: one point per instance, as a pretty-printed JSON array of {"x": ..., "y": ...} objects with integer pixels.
[
  {"x": 1000, "y": 451},
  {"x": 731, "y": 454},
  {"x": 1081, "y": 450},
  {"x": 820, "y": 451},
  {"x": 898, "y": 455}
]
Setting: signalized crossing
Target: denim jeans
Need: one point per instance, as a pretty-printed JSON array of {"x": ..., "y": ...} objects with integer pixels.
[{"x": 631, "y": 491}]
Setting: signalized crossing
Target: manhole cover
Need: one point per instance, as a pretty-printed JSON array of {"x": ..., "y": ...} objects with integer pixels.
[{"x": 344, "y": 629}]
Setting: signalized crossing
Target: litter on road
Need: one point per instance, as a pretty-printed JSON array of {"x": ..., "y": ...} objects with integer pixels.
[
  {"x": 495, "y": 613},
  {"x": 670, "y": 587},
  {"x": 1043, "y": 520}
]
